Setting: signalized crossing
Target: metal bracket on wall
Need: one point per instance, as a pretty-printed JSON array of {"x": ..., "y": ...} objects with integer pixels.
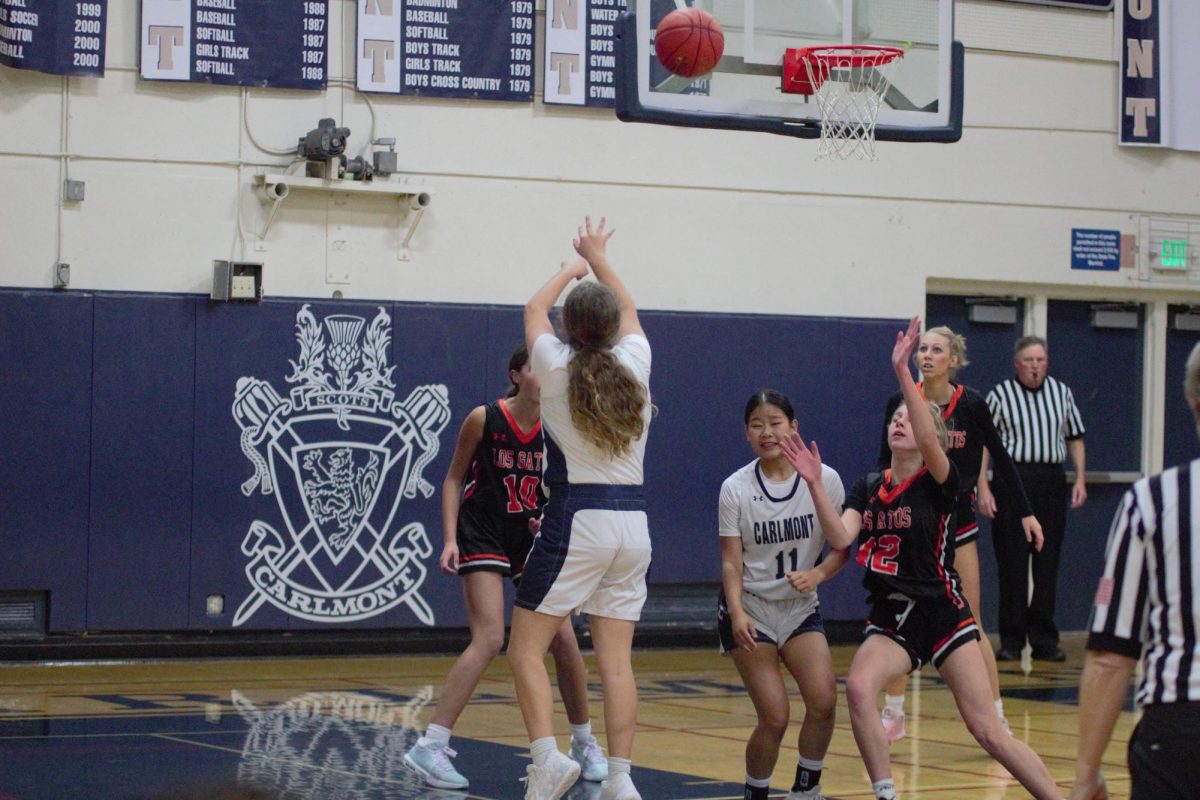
[{"x": 414, "y": 200}]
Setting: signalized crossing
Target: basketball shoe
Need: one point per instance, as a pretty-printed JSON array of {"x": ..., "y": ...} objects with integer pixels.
[
  {"x": 551, "y": 780},
  {"x": 431, "y": 760},
  {"x": 893, "y": 725},
  {"x": 619, "y": 787},
  {"x": 809, "y": 794},
  {"x": 591, "y": 759}
]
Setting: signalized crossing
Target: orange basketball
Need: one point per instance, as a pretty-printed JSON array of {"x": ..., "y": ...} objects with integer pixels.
[{"x": 689, "y": 42}]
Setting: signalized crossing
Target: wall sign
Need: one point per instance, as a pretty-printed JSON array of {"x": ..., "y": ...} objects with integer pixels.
[{"x": 55, "y": 36}]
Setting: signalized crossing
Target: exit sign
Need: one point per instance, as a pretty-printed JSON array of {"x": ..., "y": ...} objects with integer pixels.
[{"x": 1173, "y": 254}]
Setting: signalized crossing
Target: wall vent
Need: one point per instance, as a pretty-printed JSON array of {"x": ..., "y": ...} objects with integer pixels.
[{"x": 22, "y": 614}]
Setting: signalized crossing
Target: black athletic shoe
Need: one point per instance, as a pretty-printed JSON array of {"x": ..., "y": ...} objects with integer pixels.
[
  {"x": 1049, "y": 654},
  {"x": 1004, "y": 654}
]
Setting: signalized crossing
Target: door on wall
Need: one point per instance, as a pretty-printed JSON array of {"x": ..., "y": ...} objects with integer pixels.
[
  {"x": 1179, "y": 427},
  {"x": 1096, "y": 349}
]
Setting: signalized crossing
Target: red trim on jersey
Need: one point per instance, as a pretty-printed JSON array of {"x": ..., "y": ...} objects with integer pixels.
[
  {"x": 966, "y": 623},
  {"x": 940, "y": 552},
  {"x": 522, "y": 436},
  {"x": 954, "y": 398},
  {"x": 889, "y": 495}
]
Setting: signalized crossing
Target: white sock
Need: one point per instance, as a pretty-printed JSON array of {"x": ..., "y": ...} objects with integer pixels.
[
  {"x": 895, "y": 702},
  {"x": 618, "y": 765},
  {"x": 1000, "y": 708},
  {"x": 757, "y": 783},
  {"x": 437, "y": 734},
  {"x": 580, "y": 734},
  {"x": 541, "y": 749},
  {"x": 884, "y": 789}
]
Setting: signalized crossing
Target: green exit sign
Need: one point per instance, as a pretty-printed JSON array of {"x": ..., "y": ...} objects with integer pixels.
[{"x": 1174, "y": 254}]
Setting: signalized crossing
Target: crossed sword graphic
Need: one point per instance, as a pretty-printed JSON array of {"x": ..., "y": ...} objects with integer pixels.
[{"x": 421, "y": 418}]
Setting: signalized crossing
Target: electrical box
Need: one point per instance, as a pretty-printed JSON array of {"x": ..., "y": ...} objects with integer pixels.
[{"x": 237, "y": 281}]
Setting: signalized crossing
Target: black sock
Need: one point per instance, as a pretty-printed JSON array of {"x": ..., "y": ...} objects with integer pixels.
[
  {"x": 806, "y": 779},
  {"x": 756, "y": 792}
]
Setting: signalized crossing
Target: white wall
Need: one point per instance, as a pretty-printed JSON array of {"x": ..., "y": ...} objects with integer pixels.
[{"x": 707, "y": 220}]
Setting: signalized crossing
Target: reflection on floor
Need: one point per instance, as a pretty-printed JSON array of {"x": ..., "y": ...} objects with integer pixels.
[{"x": 326, "y": 728}]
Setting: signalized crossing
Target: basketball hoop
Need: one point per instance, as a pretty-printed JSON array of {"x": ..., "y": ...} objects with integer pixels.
[{"x": 849, "y": 83}]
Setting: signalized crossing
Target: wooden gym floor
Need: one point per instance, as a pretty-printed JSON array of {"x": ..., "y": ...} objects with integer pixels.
[{"x": 336, "y": 728}]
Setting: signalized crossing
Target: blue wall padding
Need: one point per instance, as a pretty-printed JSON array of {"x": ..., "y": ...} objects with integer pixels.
[
  {"x": 45, "y": 449},
  {"x": 128, "y": 494}
]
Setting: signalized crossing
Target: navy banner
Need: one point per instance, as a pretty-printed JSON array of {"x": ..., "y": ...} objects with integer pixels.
[
  {"x": 581, "y": 52},
  {"x": 55, "y": 36},
  {"x": 477, "y": 49},
  {"x": 236, "y": 42},
  {"x": 1141, "y": 101}
]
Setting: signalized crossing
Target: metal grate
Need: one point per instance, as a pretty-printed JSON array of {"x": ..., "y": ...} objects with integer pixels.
[{"x": 22, "y": 614}]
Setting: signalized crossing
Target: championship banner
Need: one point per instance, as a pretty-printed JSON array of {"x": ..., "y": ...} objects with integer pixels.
[
  {"x": 1159, "y": 101},
  {"x": 476, "y": 49},
  {"x": 54, "y": 36},
  {"x": 581, "y": 52},
  {"x": 236, "y": 42}
]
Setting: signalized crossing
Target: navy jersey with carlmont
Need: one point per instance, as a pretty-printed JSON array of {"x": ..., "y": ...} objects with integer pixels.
[
  {"x": 505, "y": 477},
  {"x": 906, "y": 540},
  {"x": 777, "y": 523}
]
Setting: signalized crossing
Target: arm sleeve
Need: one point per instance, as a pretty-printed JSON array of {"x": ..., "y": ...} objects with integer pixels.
[
  {"x": 1073, "y": 424},
  {"x": 885, "y": 452},
  {"x": 636, "y": 351},
  {"x": 545, "y": 354},
  {"x": 1006, "y": 469},
  {"x": 1119, "y": 609},
  {"x": 728, "y": 513}
]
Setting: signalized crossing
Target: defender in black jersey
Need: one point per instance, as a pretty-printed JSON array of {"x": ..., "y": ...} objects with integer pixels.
[
  {"x": 940, "y": 354},
  {"x": 491, "y": 499},
  {"x": 903, "y": 518}
]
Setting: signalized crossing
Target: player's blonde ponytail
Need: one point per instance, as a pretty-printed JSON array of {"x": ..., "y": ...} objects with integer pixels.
[{"x": 606, "y": 401}]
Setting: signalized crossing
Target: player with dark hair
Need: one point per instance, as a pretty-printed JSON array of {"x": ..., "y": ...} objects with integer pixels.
[
  {"x": 918, "y": 612},
  {"x": 593, "y": 550},
  {"x": 939, "y": 355},
  {"x": 767, "y": 612},
  {"x": 491, "y": 499}
]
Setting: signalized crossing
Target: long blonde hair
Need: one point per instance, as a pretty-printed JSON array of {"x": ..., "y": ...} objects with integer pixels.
[{"x": 606, "y": 401}]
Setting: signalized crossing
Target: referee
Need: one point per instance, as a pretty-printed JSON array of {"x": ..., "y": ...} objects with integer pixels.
[
  {"x": 1039, "y": 425},
  {"x": 1145, "y": 606}
]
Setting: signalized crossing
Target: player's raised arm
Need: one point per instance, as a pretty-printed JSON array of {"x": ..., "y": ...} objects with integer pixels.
[
  {"x": 920, "y": 417},
  {"x": 537, "y": 310},
  {"x": 592, "y": 245}
]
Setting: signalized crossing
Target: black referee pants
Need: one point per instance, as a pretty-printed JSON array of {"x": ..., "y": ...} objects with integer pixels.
[
  {"x": 1020, "y": 616},
  {"x": 1164, "y": 753}
]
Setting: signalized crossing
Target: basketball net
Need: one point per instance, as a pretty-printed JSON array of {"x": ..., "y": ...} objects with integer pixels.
[{"x": 850, "y": 83}]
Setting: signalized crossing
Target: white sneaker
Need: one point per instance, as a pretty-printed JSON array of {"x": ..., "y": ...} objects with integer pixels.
[
  {"x": 893, "y": 725},
  {"x": 432, "y": 761},
  {"x": 619, "y": 787},
  {"x": 809, "y": 794},
  {"x": 551, "y": 781},
  {"x": 591, "y": 759}
]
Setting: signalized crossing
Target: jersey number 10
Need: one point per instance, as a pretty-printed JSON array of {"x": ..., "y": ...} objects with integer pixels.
[{"x": 526, "y": 497}]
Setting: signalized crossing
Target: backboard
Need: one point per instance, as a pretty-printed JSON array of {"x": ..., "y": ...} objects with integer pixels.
[{"x": 744, "y": 92}]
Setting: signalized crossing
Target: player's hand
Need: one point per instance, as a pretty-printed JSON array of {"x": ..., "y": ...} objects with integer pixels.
[
  {"x": 744, "y": 632},
  {"x": 985, "y": 503},
  {"x": 805, "y": 580},
  {"x": 1033, "y": 532},
  {"x": 535, "y": 525},
  {"x": 449, "y": 560},
  {"x": 591, "y": 243},
  {"x": 906, "y": 342},
  {"x": 1095, "y": 789},
  {"x": 805, "y": 459},
  {"x": 577, "y": 268},
  {"x": 1078, "y": 494}
]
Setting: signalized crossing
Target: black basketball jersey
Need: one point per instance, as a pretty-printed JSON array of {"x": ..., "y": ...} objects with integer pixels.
[
  {"x": 907, "y": 538},
  {"x": 970, "y": 428},
  {"x": 505, "y": 477}
]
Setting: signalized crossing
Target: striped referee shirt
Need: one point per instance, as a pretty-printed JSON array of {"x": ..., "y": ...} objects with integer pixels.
[
  {"x": 1148, "y": 600},
  {"x": 1035, "y": 424}
]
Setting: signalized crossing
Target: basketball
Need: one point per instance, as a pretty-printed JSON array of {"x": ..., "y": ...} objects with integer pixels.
[{"x": 689, "y": 42}]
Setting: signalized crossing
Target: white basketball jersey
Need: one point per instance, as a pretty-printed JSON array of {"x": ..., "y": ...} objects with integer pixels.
[{"x": 778, "y": 525}]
